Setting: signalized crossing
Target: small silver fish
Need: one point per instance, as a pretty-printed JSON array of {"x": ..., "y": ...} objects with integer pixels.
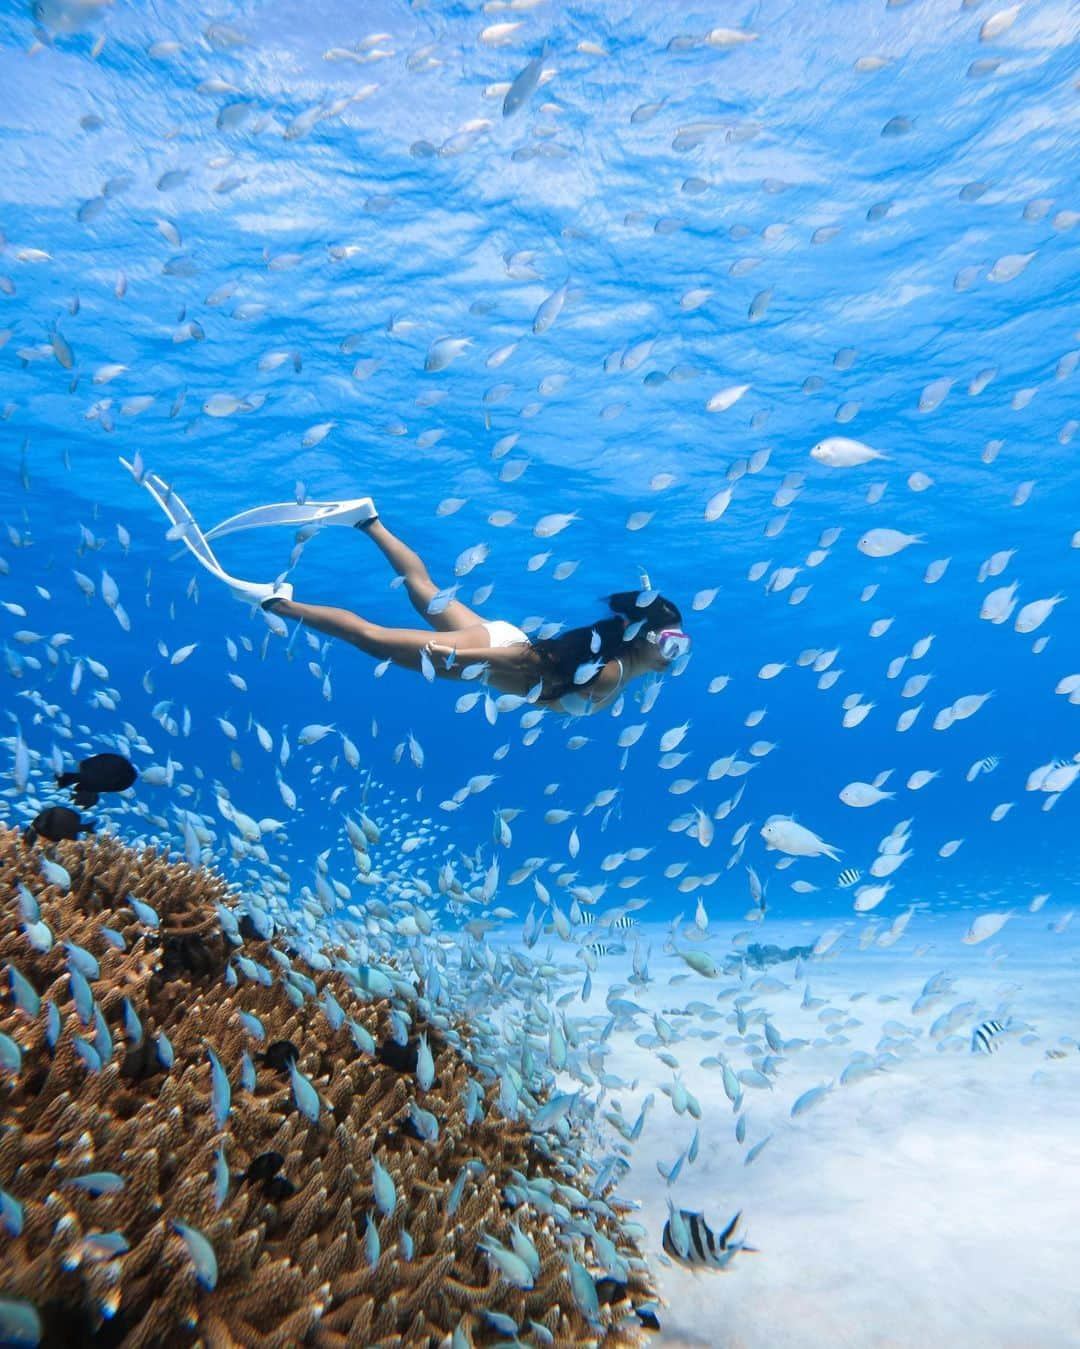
[
  {"x": 52, "y": 1024},
  {"x": 39, "y": 935},
  {"x": 132, "y": 1025},
  {"x": 55, "y": 874},
  {"x": 87, "y": 1052},
  {"x": 362, "y": 1038},
  {"x": 248, "y": 1080},
  {"x": 425, "y": 1065},
  {"x": 583, "y": 1286},
  {"x": 809, "y": 1099},
  {"x": 201, "y": 1252},
  {"x": 509, "y": 1265},
  {"x": 425, "y": 1123},
  {"x": 220, "y": 1092},
  {"x": 523, "y": 85},
  {"x": 335, "y": 1013},
  {"x": 384, "y": 1188},
  {"x": 22, "y": 990},
  {"x": 143, "y": 912},
  {"x": 82, "y": 960},
  {"x": 372, "y": 1244},
  {"x": 456, "y": 1192},
  {"x": 554, "y": 1110},
  {"x": 304, "y": 1094},
  {"x": 98, "y": 1182},
  {"x": 754, "y": 1152},
  {"x": 11, "y": 1214},
  {"x": 103, "y": 1041},
  {"x": 221, "y": 1177},
  {"x": 165, "y": 1052},
  {"x": 20, "y": 1324}
]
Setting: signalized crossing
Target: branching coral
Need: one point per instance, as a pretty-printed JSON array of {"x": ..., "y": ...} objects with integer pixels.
[{"x": 158, "y": 1205}]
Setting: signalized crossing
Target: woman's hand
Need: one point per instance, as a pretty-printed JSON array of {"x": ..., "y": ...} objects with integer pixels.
[{"x": 439, "y": 650}]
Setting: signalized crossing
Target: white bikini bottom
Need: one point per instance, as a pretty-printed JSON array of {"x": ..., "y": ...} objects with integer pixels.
[{"x": 502, "y": 633}]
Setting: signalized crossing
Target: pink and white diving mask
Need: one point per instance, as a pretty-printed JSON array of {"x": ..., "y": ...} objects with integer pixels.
[{"x": 671, "y": 643}]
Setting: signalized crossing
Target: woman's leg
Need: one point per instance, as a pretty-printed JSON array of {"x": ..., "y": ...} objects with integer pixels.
[
  {"x": 400, "y": 645},
  {"x": 422, "y": 589}
]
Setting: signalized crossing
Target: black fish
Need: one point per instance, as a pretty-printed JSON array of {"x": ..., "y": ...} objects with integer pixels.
[
  {"x": 610, "y": 1291},
  {"x": 265, "y": 1166},
  {"x": 280, "y": 1054},
  {"x": 278, "y": 1188},
  {"x": 99, "y": 773},
  {"x": 250, "y": 932},
  {"x": 57, "y": 822},
  {"x": 264, "y": 1171},
  {"x": 707, "y": 1248},
  {"x": 402, "y": 1058},
  {"x": 188, "y": 953},
  {"x": 141, "y": 1061}
]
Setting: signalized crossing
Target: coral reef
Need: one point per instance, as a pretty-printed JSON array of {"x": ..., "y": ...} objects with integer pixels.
[{"x": 193, "y": 1155}]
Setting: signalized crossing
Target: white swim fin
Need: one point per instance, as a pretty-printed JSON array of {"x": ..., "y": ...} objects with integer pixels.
[
  {"x": 258, "y": 592},
  {"x": 315, "y": 513},
  {"x": 185, "y": 527}
]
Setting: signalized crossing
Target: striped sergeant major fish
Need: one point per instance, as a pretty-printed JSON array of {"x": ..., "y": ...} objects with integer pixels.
[
  {"x": 624, "y": 921},
  {"x": 600, "y": 948},
  {"x": 689, "y": 1240},
  {"x": 848, "y": 877},
  {"x": 986, "y": 765},
  {"x": 984, "y": 1038}
]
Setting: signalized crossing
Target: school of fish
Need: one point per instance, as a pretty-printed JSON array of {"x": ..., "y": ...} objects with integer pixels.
[{"x": 251, "y": 750}]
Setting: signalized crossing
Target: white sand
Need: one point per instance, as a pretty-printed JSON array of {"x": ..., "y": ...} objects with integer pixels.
[{"x": 937, "y": 1204}]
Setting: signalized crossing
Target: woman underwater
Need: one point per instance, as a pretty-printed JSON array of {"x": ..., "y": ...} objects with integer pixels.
[{"x": 579, "y": 671}]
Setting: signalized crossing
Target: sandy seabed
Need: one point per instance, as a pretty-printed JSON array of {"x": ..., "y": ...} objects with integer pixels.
[{"x": 935, "y": 1204}]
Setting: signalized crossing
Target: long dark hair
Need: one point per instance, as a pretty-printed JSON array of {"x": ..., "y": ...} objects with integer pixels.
[{"x": 561, "y": 657}]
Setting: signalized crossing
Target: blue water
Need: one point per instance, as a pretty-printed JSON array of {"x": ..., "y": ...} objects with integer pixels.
[
  {"x": 648, "y": 165},
  {"x": 791, "y": 142}
]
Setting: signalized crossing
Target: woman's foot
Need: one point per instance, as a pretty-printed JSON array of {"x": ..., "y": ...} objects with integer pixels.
[
  {"x": 254, "y": 592},
  {"x": 359, "y": 512}
]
